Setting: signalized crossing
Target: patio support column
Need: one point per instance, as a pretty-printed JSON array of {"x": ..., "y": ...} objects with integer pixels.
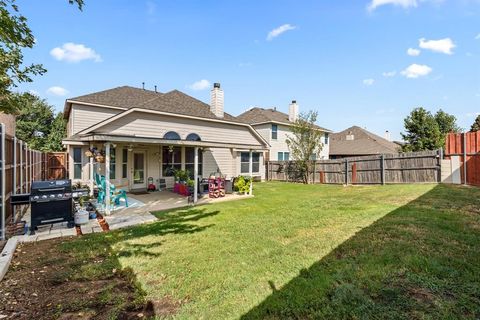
[
  {"x": 195, "y": 176},
  {"x": 91, "y": 174},
  {"x": 107, "y": 178},
  {"x": 250, "y": 169}
]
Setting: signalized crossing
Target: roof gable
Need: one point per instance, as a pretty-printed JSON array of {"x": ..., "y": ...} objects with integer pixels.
[
  {"x": 363, "y": 142},
  {"x": 175, "y": 102},
  {"x": 259, "y": 115}
]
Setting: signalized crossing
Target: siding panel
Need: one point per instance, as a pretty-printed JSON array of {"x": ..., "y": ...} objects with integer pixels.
[
  {"x": 86, "y": 116},
  {"x": 152, "y": 125}
]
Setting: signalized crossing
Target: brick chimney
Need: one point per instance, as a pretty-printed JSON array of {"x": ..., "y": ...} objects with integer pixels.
[
  {"x": 293, "y": 111},
  {"x": 216, "y": 100}
]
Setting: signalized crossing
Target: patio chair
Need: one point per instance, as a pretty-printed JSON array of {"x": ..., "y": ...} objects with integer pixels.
[{"x": 115, "y": 195}]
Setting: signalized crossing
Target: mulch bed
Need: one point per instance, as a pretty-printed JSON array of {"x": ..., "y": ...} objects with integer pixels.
[{"x": 38, "y": 286}]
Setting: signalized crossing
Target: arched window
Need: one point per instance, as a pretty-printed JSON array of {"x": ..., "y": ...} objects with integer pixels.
[
  {"x": 171, "y": 135},
  {"x": 193, "y": 137}
]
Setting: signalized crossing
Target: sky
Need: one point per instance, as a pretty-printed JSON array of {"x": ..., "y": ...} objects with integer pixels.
[{"x": 357, "y": 62}]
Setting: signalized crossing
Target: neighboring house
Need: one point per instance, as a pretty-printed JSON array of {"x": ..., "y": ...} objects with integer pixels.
[
  {"x": 274, "y": 126},
  {"x": 355, "y": 141},
  {"x": 149, "y": 134}
]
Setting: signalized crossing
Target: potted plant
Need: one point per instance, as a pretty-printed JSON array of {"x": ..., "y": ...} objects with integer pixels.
[{"x": 242, "y": 184}]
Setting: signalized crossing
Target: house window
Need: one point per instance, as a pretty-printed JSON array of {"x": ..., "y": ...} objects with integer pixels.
[
  {"x": 274, "y": 132},
  {"x": 171, "y": 160},
  {"x": 77, "y": 163},
  {"x": 171, "y": 135},
  {"x": 245, "y": 162},
  {"x": 113, "y": 164},
  {"x": 124, "y": 162},
  {"x": 326, "y": 138},
  {"x": 190, "y": 161},
  {"x": 193, "y": 137},
  {"x": 283, "y": 156}
]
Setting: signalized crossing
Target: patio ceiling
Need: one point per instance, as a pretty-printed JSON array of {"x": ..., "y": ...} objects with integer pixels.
[{"x": 137, "y": 139}]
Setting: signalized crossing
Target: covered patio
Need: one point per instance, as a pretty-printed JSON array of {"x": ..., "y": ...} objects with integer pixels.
[{"x": 165, "y": 200}]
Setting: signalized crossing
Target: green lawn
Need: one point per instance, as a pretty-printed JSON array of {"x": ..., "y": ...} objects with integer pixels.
[{"x": 308, "y": 251}]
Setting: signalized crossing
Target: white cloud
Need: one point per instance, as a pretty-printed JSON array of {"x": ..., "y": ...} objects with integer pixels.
[
  {"x": 477, "y": 37},
  {"x": 442, "y": 45},
  {"x": 389, "y": 74},
  {"x": 34, "y": 92},
  {"x": 57, "y": 91},
  {"x": 368, "y": 82},
  {"x": 72, "y": 52},
  {"x": 374, "y": 4},
  {"x": 199, "y": 85},
  {"x": 416, "y": 70},
  {"x": 278, "y": 31},
  {"x": 413, "y": 52}
]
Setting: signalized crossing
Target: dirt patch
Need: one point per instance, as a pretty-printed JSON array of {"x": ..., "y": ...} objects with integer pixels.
[
  {"x": 2, "y": 244},
  {"x": 43, "y": 283}
]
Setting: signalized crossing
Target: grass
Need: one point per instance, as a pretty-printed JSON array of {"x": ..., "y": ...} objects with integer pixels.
[{"x": 316, "y": 251}]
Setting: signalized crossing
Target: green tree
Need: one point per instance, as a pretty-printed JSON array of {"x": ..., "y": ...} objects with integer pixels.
[
  {"x": 446, "y": 122},
  {"x": 58, "y": 131},
  {"x": 35, "y": 121},
  {"x": 304, "y": 143},
  {"x": 15, "y": 36},
  {"x": 422, "y": 131},
  {"x": 476, "y": 125}
]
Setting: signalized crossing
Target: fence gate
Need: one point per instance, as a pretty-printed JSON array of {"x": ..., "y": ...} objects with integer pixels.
[
  {"x": 57, "y": 165},
  {"x": 464, "y": 149}
]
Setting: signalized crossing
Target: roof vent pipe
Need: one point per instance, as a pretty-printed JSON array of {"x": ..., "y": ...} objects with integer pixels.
[
  {"x": 155, "y": 88},
  {"x": 143, "y": 85}
]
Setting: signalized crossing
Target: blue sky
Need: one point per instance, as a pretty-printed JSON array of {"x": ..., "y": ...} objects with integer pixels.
[{"x": 350, "y": 60}]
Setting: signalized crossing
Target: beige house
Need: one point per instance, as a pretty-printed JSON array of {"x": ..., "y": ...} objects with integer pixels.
[
  {"x": 274, "y": 126},
  {"x": 147, "y": 134}
]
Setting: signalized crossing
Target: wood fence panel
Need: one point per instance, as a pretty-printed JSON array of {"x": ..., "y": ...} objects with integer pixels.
[
  {"x": 20, "y": 167},
  {"x": 467, "y": 147},
  {"x": 56, "y": 165},
  {"x": 417, "y": 167}
]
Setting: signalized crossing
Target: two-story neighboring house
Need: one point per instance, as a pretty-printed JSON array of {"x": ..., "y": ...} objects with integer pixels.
[
  {"x": 145, "y": 133},
  {"x": 274, "y": 126}
]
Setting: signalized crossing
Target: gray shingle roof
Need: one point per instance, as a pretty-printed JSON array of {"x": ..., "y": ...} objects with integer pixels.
[
  {"x": 175, "y": 102},
  {"x": 363, "y": 143},
  {"x": 260, "y": 115}
]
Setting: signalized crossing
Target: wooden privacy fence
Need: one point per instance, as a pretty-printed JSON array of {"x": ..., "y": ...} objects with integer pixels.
[
  {"x": 57, "y": 163},
  {"x": 19, "y": 166},
  {"x": 464, "y": 151},
  {"x": 414, "y": 167}
]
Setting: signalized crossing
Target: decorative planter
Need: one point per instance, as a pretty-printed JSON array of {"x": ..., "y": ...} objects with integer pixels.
[{"x": 81, "y": 217}]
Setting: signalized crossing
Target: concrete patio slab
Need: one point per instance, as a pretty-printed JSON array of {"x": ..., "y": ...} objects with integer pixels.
[{"x": 122, "y": 216}]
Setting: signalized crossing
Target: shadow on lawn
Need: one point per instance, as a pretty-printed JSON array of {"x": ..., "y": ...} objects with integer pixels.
[
  {"x": 418, "y": 261},
  {"x": 91, "y": 265},
  {"x": 177, "y": 223}
]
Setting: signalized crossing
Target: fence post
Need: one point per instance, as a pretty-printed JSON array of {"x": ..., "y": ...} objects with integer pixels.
[
  {"x": 382, "y": 168},
  {"x": 464, "y": 158},
  {"x": 2, "y": 183},
  {"x": 346, "y": 172},
  {"x": 314, "y": 170},
  {"x": 439, "y": 162}
]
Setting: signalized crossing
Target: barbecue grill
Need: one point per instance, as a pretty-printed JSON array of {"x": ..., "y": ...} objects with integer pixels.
[{"x": 51, "y": 202}]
